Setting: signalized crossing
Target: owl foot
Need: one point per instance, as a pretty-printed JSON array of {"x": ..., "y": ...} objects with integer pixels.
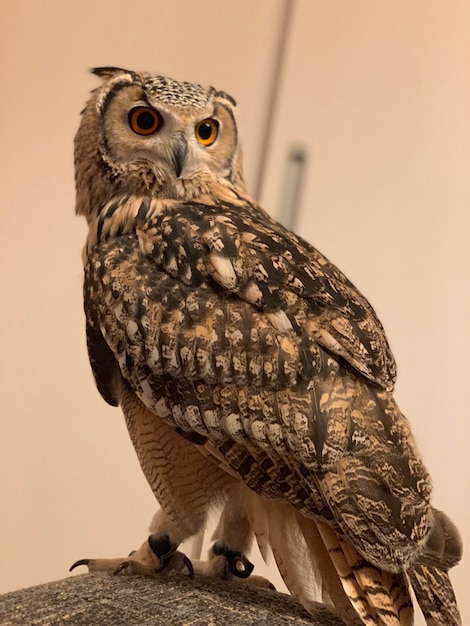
[
  {"x": 230, "y": 564},
  {"x": 170, "y": 558},
  {"x": 236, "y": 563},
  {"x": 156, "y": 555}
]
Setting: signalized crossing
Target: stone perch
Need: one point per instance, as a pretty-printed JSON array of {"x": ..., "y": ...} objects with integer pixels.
[{"x": 105, "y": 600}]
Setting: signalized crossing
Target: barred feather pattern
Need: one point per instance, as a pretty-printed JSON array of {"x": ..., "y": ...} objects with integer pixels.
[
  {"x": 291, "y": 416},
  {"x": 243, "y": 357},
  {"x": 435, "y": 595}
]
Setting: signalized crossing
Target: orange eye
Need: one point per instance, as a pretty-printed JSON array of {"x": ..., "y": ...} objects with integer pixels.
[
  {"x": 207, "y": 131},
  {"x": 145, "y": 120}
]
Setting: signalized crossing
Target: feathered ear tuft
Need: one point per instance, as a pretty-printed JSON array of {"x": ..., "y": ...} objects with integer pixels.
[
  {"x": 223, "y": 95},
  {"x": 109, "y": 72}
]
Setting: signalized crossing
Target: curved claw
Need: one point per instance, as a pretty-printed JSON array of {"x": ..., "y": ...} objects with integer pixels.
[
  {"x": 80, "y": 562},
  {"x": 189, "y": 565},
  {"x": 121, "y": 567},
  {"x": 134, "y": 568},
  {"x": 168, "y": 555},
  {"x": 177, "y": 562}
]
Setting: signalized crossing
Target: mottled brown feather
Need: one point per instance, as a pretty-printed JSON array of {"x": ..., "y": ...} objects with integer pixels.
[{"x": 206, "y": 317}]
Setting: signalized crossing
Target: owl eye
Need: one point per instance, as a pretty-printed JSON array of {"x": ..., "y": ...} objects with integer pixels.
[
  {"x": 207, "y": 131},
  {"x": 145, "y": 120}
]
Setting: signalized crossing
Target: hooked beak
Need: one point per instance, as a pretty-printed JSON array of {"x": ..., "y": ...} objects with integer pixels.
[{"x": 180, "y": 158}]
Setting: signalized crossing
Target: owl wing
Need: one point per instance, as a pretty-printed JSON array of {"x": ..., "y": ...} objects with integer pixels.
[
  {"x": 247, "y": 253},
  {"x": 228, "y": 326},
  {"x": 246, "y": 339}
]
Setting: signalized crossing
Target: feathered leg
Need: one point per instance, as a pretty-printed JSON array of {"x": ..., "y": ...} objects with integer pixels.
[
  {"x": 187, "y": 484},
  {"x": 232, "y": 538},
  {"x": 184, "y": 481}
]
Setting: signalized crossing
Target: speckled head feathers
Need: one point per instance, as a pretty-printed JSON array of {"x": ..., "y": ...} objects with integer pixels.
[
  {"x": 151, "y": 135},
  {"x": 179, "y": 94}
]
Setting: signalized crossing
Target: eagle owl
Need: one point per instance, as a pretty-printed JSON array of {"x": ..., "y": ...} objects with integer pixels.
[{"x": 252, "y": 374}]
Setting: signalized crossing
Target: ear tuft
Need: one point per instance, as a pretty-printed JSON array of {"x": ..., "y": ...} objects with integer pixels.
[
  {"x": 109, "y": 72},
  {"x": 225, "y": 96}
]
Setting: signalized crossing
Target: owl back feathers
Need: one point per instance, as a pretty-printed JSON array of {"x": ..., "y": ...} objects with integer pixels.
[{"x": 244, "y": 338}]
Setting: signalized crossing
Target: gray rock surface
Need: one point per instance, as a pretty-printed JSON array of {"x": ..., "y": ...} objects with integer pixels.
[{"x": 105, "y": 600}]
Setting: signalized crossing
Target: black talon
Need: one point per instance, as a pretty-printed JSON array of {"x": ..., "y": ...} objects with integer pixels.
[
  {"x": 189, "y": 565},
  {"x": 122, "y": 566},
  {"x": 238, "y": 564},
  {"x": 80, "y": 562}
]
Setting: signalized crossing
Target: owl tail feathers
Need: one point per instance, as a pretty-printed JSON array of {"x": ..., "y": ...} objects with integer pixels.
[
  {"x": 378, "y": 597},
  {"x": 435, "y": 596},
  {"x": 429, "y": 577},
  {"x": 316, "y": 564},
  {"x": 443, "y": 548}
]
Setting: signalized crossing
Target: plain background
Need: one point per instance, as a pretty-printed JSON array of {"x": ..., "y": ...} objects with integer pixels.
[{"x": 376, "y": 93}]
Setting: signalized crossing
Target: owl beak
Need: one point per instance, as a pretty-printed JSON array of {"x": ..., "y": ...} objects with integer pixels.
[{"x": 180, "y": 158}]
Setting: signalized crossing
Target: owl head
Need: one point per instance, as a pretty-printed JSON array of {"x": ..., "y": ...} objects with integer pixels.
[{"x": 150, "y": 135}]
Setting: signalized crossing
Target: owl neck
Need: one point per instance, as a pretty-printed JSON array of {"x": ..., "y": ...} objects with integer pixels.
[{"x": 125, "y": 213}]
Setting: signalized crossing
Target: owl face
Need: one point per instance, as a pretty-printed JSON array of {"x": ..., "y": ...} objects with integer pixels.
[{"x": 147, "y": 134}]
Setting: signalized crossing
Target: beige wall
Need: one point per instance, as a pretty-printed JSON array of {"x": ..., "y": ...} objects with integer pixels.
[{"x": 379, "y": 93}]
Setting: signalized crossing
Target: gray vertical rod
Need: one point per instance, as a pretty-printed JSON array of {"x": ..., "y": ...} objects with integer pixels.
[
  {"x": 288, "y": 210},
  {"x": 274, "y": 93}
]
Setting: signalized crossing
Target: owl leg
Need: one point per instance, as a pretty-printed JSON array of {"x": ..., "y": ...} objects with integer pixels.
[
  {"x": 185, "y": 482},
  {"x": 232, "y": 537},
  {"x": 159, "y": 553}
]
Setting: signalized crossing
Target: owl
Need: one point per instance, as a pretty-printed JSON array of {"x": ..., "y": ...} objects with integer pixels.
[{"x": 254, "y": 377}]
